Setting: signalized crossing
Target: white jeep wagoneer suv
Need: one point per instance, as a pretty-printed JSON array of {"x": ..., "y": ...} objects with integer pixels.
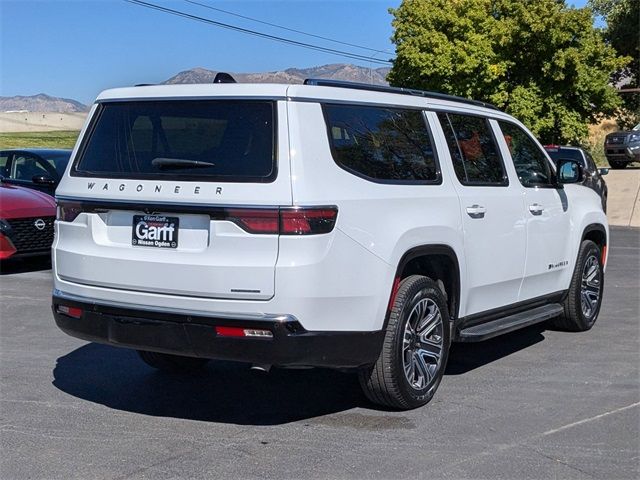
[{"x": 328, "y": 224}]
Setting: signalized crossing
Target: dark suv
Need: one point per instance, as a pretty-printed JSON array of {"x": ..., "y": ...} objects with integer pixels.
[
  {"x": 592, "y": 174},
  {"x": 622, "y": 148},
  {"x": 35, "y": 168}
]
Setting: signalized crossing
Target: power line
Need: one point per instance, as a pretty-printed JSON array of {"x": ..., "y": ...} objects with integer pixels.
[
  {"x": 362, "y": 47},
  {"x": 178, "y": 13}
]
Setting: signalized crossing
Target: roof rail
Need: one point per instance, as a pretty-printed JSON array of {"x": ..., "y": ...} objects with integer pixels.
[
  {"x": 323, "y": 82},
  {"x": 145, "y": 84}
]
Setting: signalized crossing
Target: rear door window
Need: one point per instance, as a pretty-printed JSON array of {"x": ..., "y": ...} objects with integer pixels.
[
  {"x": 473, "y": 150},
  {"x": 216, "y": 140},
  {"x": 387, "y": 145}
]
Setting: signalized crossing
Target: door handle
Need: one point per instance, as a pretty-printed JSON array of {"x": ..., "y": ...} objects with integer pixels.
[
  {"x": 536, "y": 209},
  {"x": 476, "y": 211}
]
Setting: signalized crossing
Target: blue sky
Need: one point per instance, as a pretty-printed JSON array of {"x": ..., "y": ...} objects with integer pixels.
[{"x": 76, "y": 48}]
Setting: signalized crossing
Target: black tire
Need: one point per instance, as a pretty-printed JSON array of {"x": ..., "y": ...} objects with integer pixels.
[
  {"x": 618, "y": 164},
  {"x": 575, "y": 318},
  {"x": 172, "y": 363},
  {"x": 386, "y": 382}
]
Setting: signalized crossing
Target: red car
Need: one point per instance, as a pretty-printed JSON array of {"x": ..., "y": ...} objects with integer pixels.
[{"x": 26, "y": 222}]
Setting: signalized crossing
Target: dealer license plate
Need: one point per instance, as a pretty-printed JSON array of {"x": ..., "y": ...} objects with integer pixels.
[{"x": 155, "y": 231}]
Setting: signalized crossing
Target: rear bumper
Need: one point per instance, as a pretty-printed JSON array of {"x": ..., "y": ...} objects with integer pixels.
[{"x": 195, "y": 335}]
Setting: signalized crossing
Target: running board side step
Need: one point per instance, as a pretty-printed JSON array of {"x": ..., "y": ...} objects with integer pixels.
[{"x": 491, "y": 329}]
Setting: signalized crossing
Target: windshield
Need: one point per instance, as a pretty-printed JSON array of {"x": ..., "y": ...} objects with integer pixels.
[{"x": 221, "y": 140}]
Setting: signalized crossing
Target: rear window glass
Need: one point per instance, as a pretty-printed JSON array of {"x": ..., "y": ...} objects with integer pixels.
[
  {"x": 383, "y": 144},
  {"x": 219, "y": 140},
  {"x": 58, "y": 161},
  {"x": 565, "y": 154}
]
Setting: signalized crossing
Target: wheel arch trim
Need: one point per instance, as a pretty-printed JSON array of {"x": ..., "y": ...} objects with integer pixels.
[
  {"x": 595, "y": 227},
  {"x": 425, "y": 251}
]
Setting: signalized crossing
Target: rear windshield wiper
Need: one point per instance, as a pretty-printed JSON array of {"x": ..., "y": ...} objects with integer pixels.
[{"x": 176, "y": 163}]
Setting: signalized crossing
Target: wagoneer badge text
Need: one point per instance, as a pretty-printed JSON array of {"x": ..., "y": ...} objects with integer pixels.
[{"x": 156, "y": 188}]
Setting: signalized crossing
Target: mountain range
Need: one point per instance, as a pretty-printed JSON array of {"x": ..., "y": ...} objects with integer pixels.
[
  {"x": 335, "y": 71},
  {"x": 41, "y": 103}
]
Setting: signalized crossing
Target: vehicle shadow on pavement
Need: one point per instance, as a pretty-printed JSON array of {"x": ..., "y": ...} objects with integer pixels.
[
  {"x": 35, "y": 264},
  {"x": 229, "y": 392},
  {"x": 222, "y": 392},
  {"x": 464, "y": 357}
]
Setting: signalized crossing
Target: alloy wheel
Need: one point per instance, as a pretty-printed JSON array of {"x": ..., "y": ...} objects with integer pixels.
[
  {"x": 422, "y": 344},
  {"x": 590, "y": 286}
]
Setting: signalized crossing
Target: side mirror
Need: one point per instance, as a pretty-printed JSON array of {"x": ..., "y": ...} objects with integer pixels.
[
  {"x": 43, "y": 180},
  {"x": 569, "y": 171},
  {"x": 603, "y": 171}
]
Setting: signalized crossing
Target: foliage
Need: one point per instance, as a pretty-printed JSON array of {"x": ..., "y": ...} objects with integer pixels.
[
  {"x": 61, "y": 139},
  {"x": 623, "y": 33},
  {"x": 539, "y": 60},
  {"x": 595, "y": 143}
]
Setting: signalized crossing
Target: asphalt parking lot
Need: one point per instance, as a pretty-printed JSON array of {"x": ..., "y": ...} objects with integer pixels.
[{"x": 532, "y": 404}]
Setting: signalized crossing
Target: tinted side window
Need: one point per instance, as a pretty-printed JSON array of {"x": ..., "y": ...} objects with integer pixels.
[
  {"x": 473, "y": 150},
  {"x": 531, "y": 163},
  {"x": 25, "y": 167},
  {"x": 385, "y": 144},
  {"x": 565, "y": 154},
  {"x": 58, "y": 163}
]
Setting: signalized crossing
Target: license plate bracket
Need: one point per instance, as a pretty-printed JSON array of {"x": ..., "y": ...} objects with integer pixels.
[{"x": 157, "y": 231}]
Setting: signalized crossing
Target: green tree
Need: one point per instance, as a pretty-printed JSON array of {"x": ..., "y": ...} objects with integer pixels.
[
  {"x": 539, "y": 60},
  {"x": 623, "y": 34}
]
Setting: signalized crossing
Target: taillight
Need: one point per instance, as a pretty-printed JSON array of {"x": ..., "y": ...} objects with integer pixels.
[
  {"x": 307, "y": 220},
  {"x": 254, "y": 220},
  {"x": 266, "y": 221},
  {"x": 68, "y": 211},
  {"x": 284, "y": 221}
]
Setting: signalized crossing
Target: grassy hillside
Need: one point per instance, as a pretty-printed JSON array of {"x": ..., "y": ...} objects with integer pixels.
[
  {"x": 596, "y": 140},
  {"x": 63, "y": 139}
]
